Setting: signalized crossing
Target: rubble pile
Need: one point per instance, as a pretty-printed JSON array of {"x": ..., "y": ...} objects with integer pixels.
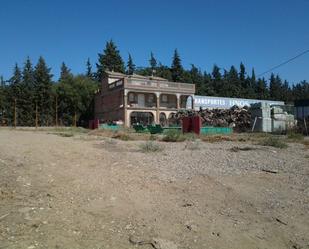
[{"x": 237, "y": 117}]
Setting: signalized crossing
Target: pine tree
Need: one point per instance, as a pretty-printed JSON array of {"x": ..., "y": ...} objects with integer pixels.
[
  {"x": 208, "y": 85},
  {"x": 43, "y": 92},
  {"x": 130, "y": 66},
  {"x": 275, "y": 87},
  {"x": 65, "y": 72},
  {"x": 286, "y": 92},
  {"x": 196, "y": 77},
  {"x": 15, "y": 83},
  {"x": 176, "y": 68},
  {"x": 109, "y": 60},
  {"x": 217, "y": 81},
  {"x": 65, "y": 96},
  {"x": 231, "y": 86},
  {"x": 25, "y": 102},
  {"x": 261, "y": 89},
  {"x": 152, "y": 62}
]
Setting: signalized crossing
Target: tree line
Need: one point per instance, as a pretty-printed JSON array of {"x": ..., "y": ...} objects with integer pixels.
[
  {"x": 30, "y": 96},
  {"x": 234, "y": 82}
]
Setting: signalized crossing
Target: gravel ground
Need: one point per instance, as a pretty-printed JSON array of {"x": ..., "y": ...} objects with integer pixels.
[{"x": 96, "y": 192}]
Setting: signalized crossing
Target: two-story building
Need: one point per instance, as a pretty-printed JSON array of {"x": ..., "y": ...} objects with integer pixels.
[{"x": 141, "y": 99}]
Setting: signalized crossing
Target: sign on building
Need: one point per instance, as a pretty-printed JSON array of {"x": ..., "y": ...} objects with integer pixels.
[{"x": 205, "y": 102}]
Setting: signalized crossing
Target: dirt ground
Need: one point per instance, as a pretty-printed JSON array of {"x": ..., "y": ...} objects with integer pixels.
[{"x": 87, "y": 191}]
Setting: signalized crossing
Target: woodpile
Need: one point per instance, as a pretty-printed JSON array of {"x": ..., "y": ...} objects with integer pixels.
[{"x": 237, "y": 117}]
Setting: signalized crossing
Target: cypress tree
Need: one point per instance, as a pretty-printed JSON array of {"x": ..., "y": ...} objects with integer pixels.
[
  {"x": 110, "y": 60},
  {"x": 43, "y": 92},
  {"x": 176, "y": 68},
  {"x": 130, "y": 66},
  {"x": 89, "y": 72},
  {"x": 244, "y": 82},
  {"x": 152, "y": 62}
]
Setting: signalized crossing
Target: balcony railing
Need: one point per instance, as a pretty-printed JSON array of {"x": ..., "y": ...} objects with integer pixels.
[
  {"x": 116, "y": 84},
  {"x": 166, "y": 85}
]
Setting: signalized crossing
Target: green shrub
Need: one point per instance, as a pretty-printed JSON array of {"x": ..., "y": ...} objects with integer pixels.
[
  {"x": 273, "y": 142},
  {"x": 122, "y": 136},
  {"x": 173, "y": 135},
  {"x": 190, "y": 136},
  {"x": 295, "y": 136},
  {"x": 150, "y": 146}
]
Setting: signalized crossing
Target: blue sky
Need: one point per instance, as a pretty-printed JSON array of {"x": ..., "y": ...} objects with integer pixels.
[{"x": 261, "y": 33}]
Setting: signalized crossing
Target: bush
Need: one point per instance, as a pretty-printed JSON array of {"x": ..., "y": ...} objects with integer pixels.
[
  {"x": 295, "y": 136},
  {"x": 122, "y": 136},
  {"x": 190, "y": 136},
  {"x": 173, "y": 135},
  {"x": 273, "y": 142},
  {"x": 150, "y": 146}
]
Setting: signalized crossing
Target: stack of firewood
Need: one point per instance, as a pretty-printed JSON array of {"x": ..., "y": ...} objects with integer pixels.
[{"x": 237, "y": 117}]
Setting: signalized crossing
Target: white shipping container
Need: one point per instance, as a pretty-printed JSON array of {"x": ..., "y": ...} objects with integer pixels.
[
  {"x": 278, "y": 125},
  {"x": 262, "y": 125}
]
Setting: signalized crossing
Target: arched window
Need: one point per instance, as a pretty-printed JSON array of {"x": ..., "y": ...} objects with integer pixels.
[
  {"x": 172, "y": 120},
  {"x": 162, "y": 119},
  {"x": 144, "y": 118}
]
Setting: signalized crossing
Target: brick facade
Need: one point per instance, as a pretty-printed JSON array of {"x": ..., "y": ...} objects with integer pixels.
[{"x": 121, "y": 95}]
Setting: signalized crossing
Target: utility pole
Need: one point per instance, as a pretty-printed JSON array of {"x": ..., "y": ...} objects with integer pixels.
[{"x": 15, "y": 120}]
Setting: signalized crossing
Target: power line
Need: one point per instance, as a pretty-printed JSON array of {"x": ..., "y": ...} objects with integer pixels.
[{"x": 283, "y": 63}]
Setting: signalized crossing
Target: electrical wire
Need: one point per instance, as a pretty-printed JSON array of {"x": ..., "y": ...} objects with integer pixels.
[{"x": 283, "y": 63}]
